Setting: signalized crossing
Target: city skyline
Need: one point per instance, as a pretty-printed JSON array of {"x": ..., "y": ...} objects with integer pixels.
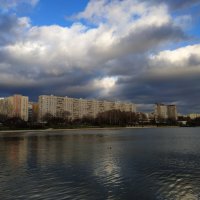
[
  {"x": 68, "y": 102},
  {"x": 75, "y": 109},
  {"x": 140, "y": 108},
  {"x": 79, "y": 108},
  {"x": 138, "y": 51}
]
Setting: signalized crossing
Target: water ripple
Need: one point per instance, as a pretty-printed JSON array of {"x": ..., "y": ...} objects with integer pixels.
[{"x": 125, "y": 164}]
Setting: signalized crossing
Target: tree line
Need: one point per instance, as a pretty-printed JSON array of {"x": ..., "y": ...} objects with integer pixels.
[
  {"x": 61, "y": 120},
  {"x": 104, "y": 119},
  {"x": 107, "y": 118}
]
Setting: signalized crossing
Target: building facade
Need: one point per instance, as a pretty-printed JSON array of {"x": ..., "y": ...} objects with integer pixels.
[
  {"x": 78, "y": 108},
  {"x": 3, "y": 106},
  {"x": 194, "y": 115},
  {"x": 172, "y": 112},
  {"x": 15, "y": 106},
  {"x": 165, "y": 112}
]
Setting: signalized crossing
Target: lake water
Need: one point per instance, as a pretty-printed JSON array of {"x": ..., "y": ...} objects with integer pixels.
[{"x": 139, "y": 164}]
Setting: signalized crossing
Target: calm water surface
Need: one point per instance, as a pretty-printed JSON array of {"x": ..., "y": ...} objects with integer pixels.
[{"x": 141, "y": 164}]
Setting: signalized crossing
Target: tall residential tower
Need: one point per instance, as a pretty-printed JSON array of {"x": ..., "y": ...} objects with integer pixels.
[{"x": 164, "y": 112}]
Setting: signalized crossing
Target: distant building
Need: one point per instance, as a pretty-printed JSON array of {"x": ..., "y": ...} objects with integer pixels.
[
  {"x": 161, "y": 111},
  {"x": 6, "y": 108},
  {"x": 165, "y": 112},
  {"x": 172, "y": 112},
  {"x": 33, "y": 111},
  {"x": 78, "y": 108},
  {"x": 3, "y": 106},
  {"x": 194, "y": 116},
  {"x": 15, "y": 106}
]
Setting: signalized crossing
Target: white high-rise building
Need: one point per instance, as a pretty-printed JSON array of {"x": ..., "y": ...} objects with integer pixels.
[
  {"x": 78, "y": 108},
  {"x": 194, "y": 115}
]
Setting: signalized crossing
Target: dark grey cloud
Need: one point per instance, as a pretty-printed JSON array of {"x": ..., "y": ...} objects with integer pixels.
[
  {"x": 176, "y": 4},
  {"x": 146, "y": 38},
  {"x": 12, "y": 28},
  {"x": 178, "y": 86},
  {"x": 8, "y": 25}
]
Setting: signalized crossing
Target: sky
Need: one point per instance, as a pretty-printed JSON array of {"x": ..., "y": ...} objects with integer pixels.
[{"x": 141, "y": 51}]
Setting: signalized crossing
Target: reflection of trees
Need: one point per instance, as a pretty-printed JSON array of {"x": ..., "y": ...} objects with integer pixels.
[{"x": 61, "y": 148}]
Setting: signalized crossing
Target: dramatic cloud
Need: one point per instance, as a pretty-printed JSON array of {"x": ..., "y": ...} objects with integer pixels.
[
  {"x": 171, "y": 77},
  {"x": 12, "y": 28},
  {"x": 112, "y": 50}
]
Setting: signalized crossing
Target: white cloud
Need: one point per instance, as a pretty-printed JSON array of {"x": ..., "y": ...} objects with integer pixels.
[
  {"x": 79, "y": 46},
  {"x": 107, "y": 82},
  {"x": 80, "y": 58},
  {"x": 125, "y": 16},
  {"x": 184, "y": 57}
]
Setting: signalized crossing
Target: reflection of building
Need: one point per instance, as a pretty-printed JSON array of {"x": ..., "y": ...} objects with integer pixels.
[
  {"x": 163, "y": 111},
  {"x": 16, "y": 151},
  {"x": 77, "y": 108},
  {"x": 15, "y": 106}
]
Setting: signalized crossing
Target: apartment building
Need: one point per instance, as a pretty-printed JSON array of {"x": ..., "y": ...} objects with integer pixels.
[
  {"x": 47, "y": 104},
  {"x": 161, "y": 111},
  {"x": 164, "y": 112},
  {"x": 15, "y": 106},
  {"x": 194, "y": 115},
  {"x": 78, "y": 108},
  {"x": 172, "y": 112},
  {"x": 3, "y": 106}
]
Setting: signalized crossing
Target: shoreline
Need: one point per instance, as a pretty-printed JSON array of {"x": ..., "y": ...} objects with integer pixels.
[
  {"x": 78, "y": 129},
  {"x": 66, "y": 129}
]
